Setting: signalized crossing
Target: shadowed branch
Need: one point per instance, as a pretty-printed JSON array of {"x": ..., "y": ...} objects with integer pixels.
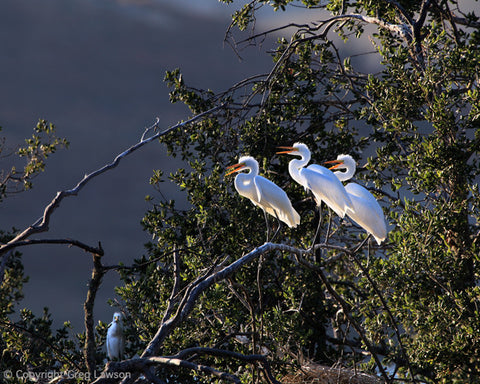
[{"x": 200, "y": 285}]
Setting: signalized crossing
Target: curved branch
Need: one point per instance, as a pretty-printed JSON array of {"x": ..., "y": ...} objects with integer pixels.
[
  {"x": 327, "y": 24},
  {"x": 41, "y": 225},
  {"x": 71, "y": 242},
  {"x": 217, "y": 352},
  {"x": 189, "y": 301},
  {"x": 200, "y": 285},
  {"x": 166, "y": 327},
  {"x": 320, "y": 30}
]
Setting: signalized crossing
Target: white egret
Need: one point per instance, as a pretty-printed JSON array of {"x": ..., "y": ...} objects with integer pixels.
[
  {"x": 367, "y": 213},
  {"x": 115, "y": 338},
  {"x": 324, "y": 185},
  {"x": 262, "y": 192}
]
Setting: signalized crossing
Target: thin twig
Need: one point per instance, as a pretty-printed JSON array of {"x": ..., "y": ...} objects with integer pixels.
[{"x": 176, "y": 285}]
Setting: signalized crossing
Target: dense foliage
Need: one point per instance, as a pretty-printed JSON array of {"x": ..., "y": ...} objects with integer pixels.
[{"x": 406, "y": 310}]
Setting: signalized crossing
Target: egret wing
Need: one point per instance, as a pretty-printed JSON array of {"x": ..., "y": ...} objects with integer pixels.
[
  {"x": 275, "y": 201},
  {"x": 110, "y": 342},
  {"x": 326, "y": 187},
  {"x": 367, "y": 212},
  {"x": 121, "y": 346}
]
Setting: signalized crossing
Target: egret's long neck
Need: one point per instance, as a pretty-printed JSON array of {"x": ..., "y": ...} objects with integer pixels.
[
  {"x": 253, "y": 169},
  {"x": 245, "y": 179},
  {"x": 347, "y": 174},
  {"x": 295, "y": 165}
]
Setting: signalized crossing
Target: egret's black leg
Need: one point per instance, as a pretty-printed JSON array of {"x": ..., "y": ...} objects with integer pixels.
[
  {"x": 358, "y": 247},
  {"x": 266, "y": 224},
  {"x": 279, "y": 227},
  {"x": 327, "y": 235},
  {"x": 314, "y": 240}
]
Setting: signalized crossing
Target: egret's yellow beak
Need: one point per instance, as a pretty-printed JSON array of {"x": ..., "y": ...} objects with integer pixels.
[
  {"x": 235, "y": 168},
  {"x": 337, "y": 163},
  {"x": 287, "y": 150}
]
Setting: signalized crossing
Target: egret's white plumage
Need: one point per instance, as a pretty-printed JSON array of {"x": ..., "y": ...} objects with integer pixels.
[
  {"x": 324, "y": 185},
  {"x": 262, "y": 192},
  {"x": 367, "y": 213},
  {"x": 115, "y": 339}
]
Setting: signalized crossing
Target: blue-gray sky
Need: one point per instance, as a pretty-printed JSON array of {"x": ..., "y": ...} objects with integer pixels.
[{"x": 95, "y": 69}]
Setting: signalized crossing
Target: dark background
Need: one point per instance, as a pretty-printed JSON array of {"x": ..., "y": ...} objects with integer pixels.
[{"x": 95, "y": 68}]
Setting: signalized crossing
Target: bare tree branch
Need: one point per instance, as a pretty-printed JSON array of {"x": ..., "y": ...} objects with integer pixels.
[
  {"x": 41, "y": 225},
  {"x": 318, "y": 31},
  {"x": 95, "y": 280},
  {"x": 325, "y": 25},
  {"x": 194, "y": 291},
  {"x": 423, "y": 14},
  {"x": 466, "y": 22},
  {"x": 166, "y": 327},
  {"x": 183, "y": 354},
  {"x": 71, "y": 242}
]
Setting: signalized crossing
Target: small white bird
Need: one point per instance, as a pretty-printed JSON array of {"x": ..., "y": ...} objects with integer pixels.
[
  {"x": 115, "y": 339},
  {"x": 324, "y": 185},
  {"x": 262, "y": 192},
  {"x": 367, "y": 213}
]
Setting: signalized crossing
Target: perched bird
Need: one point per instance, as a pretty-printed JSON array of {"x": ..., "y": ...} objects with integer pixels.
[
  {"x": 367, "y": 213},
  {"x": 324, "y": 185},
  {"x": 115, "y": 338},
  {"x": 262, "y": 192}
]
